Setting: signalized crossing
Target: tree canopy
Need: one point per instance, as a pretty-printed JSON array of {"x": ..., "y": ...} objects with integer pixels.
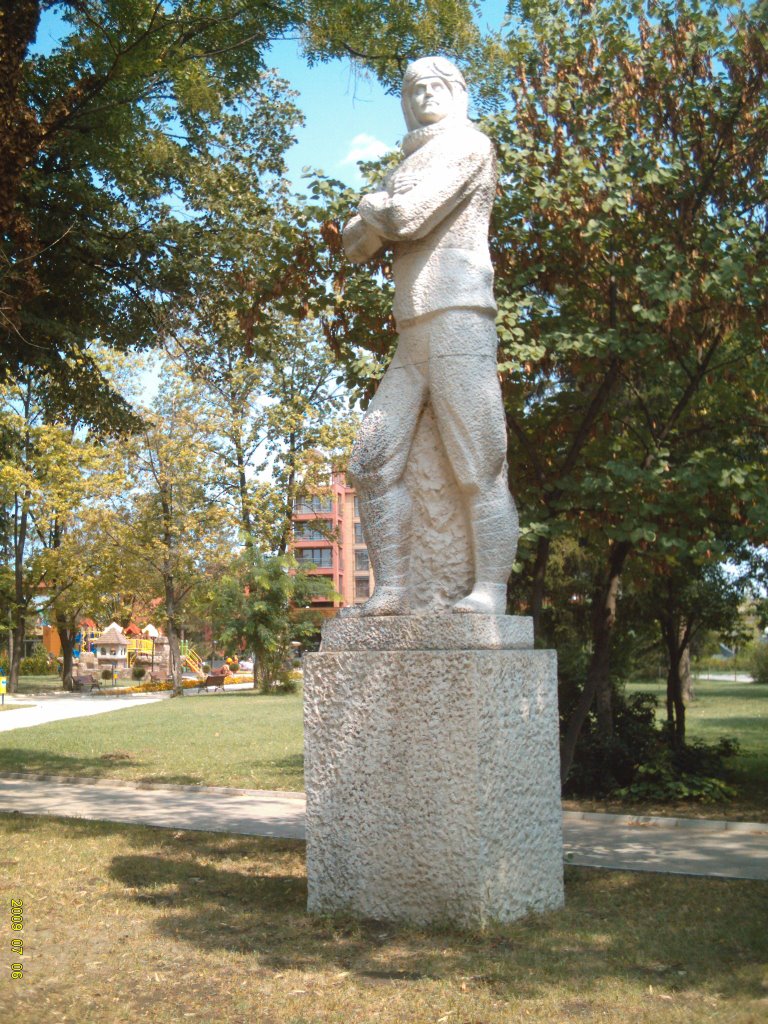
[{"x": 100, "y": 137}]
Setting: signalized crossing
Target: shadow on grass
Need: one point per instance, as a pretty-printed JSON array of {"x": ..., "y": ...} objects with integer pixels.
[
  {"x": 30, "y": 685},
  {"x": 248, "y": 896},
  {"x": 41, "y": 762}
]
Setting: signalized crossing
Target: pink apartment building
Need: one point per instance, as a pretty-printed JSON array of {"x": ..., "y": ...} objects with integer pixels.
[{"x": 327, "y": 532}]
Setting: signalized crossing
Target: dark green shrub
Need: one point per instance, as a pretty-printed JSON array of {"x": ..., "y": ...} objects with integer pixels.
[
  {"x": 758, "y": 664},
  {"x": 602, "y": 766},
  {"x": 286, "y": 681},
  {"x": 138, "y": 672},
  {"x": 638, "y": 762},
  {"x": 106, "y": 673},
  {"x": 37, "y": 664}
]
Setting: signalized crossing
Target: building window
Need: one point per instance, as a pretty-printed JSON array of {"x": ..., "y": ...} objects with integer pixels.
[
  {"x": 313, "y": 504},
  {"x": 357, "y": 507},
  {"x": 362, "y": 563},
  {"x": 321, "y": 557},
  {"x": 359, "y": 538},
  {"x": 362, "y": 588},
  {"x": 313, "y": 529}
]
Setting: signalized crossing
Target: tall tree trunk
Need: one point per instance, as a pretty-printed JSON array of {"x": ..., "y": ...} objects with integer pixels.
[
  {"x": 66, "y": 633},
  {"x": 676, "y": 637},
  {"x": 598, "y": 679},
  {"x": 686, "y": 677},
  {"x": 174, "y": 652},
  {"x": 675, "y": 699},
  {"x": 290, "y": 497},
  {"x": 18, "y": 635},
  {"x": 242, "y": 486},
  {"x": 675, "y": 705},
  {"x": 539, "y": 579}
]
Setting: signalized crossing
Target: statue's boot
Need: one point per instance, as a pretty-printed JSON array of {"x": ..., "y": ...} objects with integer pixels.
[
  {"x": 386, "y": 520},
  {"x": 494, "y": 531}
]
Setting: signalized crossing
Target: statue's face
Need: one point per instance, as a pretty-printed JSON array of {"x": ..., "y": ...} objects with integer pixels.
[{"x": 431, "y": 100}]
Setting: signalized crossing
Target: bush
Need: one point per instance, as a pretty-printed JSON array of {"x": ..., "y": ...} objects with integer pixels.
[
  {"x": 106, "y": 673},
  {"x": 601, "y": 767},
  {"x": 37, "y": 664},
  {"x": 285, "y": 681},
  {"x": 638, "y": 762},
  {"x": 758, "y": 664},
  {"x": 138, "y": 672}
]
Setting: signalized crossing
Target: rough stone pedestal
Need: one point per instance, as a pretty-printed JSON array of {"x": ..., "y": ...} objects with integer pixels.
[{"x": 432, "y": 773}]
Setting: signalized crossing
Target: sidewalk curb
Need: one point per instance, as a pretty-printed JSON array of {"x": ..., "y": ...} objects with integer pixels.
[
  {"x": 81, "y": 780},
  {"x": 658, "y": 821}
]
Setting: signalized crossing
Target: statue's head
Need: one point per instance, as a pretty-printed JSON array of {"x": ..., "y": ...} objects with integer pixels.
[{"x": 433, "y": 89}]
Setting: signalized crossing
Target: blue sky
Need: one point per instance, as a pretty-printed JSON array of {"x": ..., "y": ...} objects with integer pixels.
[{"x": 348, "y": 115}]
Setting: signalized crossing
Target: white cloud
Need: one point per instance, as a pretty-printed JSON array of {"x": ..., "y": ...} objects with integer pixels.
[{"x": 365, "y": 147}]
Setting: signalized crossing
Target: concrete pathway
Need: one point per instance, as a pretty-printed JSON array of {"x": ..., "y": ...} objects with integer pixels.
[
  {"x": 687, "y": 846},
  {"x": 54, "y": 707}
]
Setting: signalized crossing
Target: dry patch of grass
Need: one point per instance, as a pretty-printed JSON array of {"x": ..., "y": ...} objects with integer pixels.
[{"x": 125, "y": 925}]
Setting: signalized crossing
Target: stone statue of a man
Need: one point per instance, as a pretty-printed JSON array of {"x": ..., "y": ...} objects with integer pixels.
[{"x": 434, "y": 212}]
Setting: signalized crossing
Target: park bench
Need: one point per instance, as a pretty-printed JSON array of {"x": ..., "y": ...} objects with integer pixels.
[
  {"x": 85, "y": 683},
  {"x": 216, "y": 680}
]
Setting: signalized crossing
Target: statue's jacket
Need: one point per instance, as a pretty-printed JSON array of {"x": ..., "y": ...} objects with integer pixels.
[{"x": 438, "y": 223}]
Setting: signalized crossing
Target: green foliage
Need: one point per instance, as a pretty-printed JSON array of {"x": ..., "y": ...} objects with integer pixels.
[
  {"x": 694, "y": 773},
  {"x": 106, "y": 673},
  {"x": 638, "y": 762},
  {"x": 661, "y": 782},
  {"x": 122, "y": 144},
  {"x": 138, "y": 672},
  {"x": 37, "y": 664},
  {"x": 602, "y": 766},
  {"x": 758, "y": 666},
  {"x": 254, "y": 604}
]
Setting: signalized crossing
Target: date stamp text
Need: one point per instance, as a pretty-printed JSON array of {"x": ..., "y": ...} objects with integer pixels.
[{"x": 17, "y": 942}]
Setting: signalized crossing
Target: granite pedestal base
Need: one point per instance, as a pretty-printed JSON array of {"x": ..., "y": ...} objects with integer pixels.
[{"x": 432, "y": 776}]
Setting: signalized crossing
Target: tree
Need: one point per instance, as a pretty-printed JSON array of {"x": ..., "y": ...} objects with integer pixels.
[
  {"x": 253, "y": 605},
  {"x": 51, "y": 472},
  {"x": 686, "y": 599},
  {"x": 98, "y": 136},
  {"x": 170, "y": 523},
  {"x": 630, "y": 256}
]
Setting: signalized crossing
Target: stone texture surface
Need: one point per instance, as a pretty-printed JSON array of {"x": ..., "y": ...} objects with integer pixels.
[
  {"x": 433, "y": 784},
  {"x": 441, "y": 569},
  {"x": 445, "y": 632}
]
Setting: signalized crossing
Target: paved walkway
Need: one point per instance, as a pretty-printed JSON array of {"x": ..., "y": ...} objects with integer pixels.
[
  {"x": 686, "y": 846},
  {"x": 54, "y": 707}
]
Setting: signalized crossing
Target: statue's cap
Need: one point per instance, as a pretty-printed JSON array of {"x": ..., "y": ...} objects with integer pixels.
[{"x": 432, "y": 67}]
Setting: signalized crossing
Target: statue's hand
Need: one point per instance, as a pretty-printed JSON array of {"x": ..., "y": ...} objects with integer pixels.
[
  {"x": 375, "y": 201},
  {"x": 361, "y": 242},
  {"x": 404, "y": 183}
]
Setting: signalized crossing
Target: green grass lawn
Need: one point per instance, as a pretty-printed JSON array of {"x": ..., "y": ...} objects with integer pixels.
[
  {"x": 240, "y": 739},
  {"x": 130, "y": 925},
  {"x": 38, "y": 684}
]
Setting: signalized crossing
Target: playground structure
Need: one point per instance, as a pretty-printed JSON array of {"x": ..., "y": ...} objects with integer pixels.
[
  {"x": 150, "y": 651},
  {"x": 125, "y": 650}
]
